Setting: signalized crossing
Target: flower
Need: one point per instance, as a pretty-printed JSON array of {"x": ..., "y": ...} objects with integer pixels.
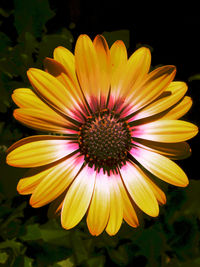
[{"x": 117, "y": 129}]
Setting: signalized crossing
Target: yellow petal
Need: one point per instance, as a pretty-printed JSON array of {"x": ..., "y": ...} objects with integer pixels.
[
  {"x": 138, "y": 189},
  {"x": 134, "y": 72},
  {"x": 58, "y": 71},
  {"x": 179, "y": 110},
  {"x": 160, "y": 166},
  {"x": 116, "y": 206},
  {"x": 52, "y": 91},
  {"x": 39, "y": 150},
  {"x": 168, "y": 131},
  {"x": 30, "y": 181},
  {"x": 103, "y": 55},
  {"x": 26, "y": 98},
  {"x": 41, "y": 120},
  {"x": 78, "y": 198},
  {"x": 129, "y": 213},
  {"x": 172, "y": 94},
  {"x": 118, "y": 54},
  {"x": 152, "y": 87},
  {"x": 66, "y": 58},
  {"x": 87, "y": 68},
  {"x": 56, "y": 181},
  {"x": 137, "y": 68},
  {"x": 158, "y": 193},
  {"x": 99, "y": 209},
  {"x": 171, "y": 150}
]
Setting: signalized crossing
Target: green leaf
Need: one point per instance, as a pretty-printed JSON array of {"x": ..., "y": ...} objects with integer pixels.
[
  {"x": 185, "y": 263},
  {"x": 123, "y": 35},
  {"x": 32, "y": 233},
  {"x": 53, "y": 233},
  {"x": 4, "y": 43},
  {"x": 10, "y": 226},
  {"x": 4, "y": 13},
  {"x": 194, "y": 77},
  {"x": 27, "y": 47},
  {"x": 12, "y": 244},
  {"x": 3, "y": 257},
  {"x": 48, "y": 254},
  {"x": 192, "y": 199},
  {"x": 69, "y": 262},
  {"x": 119, "y": 255},
  {"x": 80, "y": 252},
  {"x": 28, "y": 262},
  {"x": 51, "y": 41},
  {"x": 151, "y": 243},
  {"x": 35, "y": 14},
  {"x": 10, "y": 177},
  {"x": 96, "y": 261},
  {"x": 184, "y": 238}
]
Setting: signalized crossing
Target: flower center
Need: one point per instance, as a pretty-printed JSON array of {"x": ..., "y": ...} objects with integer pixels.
[{"x": 105, "y": 141}]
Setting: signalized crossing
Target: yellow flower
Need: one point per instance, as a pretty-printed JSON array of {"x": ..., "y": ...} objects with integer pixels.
[{"x": 119, "y": 125}]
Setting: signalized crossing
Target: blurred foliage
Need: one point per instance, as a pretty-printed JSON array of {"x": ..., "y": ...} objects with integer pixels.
[{"x": 27, "y": 237}]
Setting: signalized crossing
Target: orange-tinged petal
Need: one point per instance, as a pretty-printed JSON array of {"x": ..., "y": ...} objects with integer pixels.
[
  {"x": 160, "y": 166},
  {"x": 129, "y": 213},
  {"x": 172, "y": 94},
  {"x": 41, "y": 120},
  {"x": 116, "y": 206},
  {"x": 58, "y": 71},
  {"x": 139, "y": 189},
  {"x": 51, "y": 90},
  {"x": 56, "y": 181},
  {"x": 39, "y": 150},
  {"x": 168, "y": 131},
  {"x": 78, "y": 198},
  {"x": 152, "y": 87},
  {"x": 98, "y": 213},
  {"x": 179, "y": 110},
  {"x": 103, "y": 55},
  {"x": 87, "y": 68},
  {"x": 66, "y": 58},
  {"x": 171, "y": 150}
]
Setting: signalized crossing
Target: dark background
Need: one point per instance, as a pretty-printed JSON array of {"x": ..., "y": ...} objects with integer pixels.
[{"x": 29, "y": 31}]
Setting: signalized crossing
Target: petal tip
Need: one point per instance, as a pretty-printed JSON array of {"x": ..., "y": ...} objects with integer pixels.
[
  {"x": 33, "y": 203},
  {"x": 154, "y": 213},
  {"x": 171, "y": 69},
  {"x": 20, "y": 187}
]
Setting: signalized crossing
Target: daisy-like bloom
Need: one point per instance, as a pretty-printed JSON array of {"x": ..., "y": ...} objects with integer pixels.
[{"x": 117, "y": 129}]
